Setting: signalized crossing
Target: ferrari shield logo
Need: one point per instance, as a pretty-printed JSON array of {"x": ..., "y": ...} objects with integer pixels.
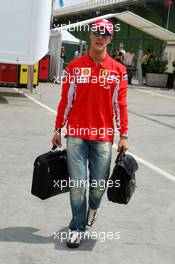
[{"x": 104, "y": 73}]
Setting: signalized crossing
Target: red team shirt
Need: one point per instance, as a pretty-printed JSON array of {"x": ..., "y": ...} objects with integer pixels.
[{"x": 92, "y": 94}]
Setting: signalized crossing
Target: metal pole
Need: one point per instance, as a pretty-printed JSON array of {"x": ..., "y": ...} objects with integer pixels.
[
  {"x": 139, "y": 65},
  {"x": 30, "y": 77},
  {"x": 52, "y": 17},
  {"x": 61, "y": 69},
  {"x": 81, "y": 47},
  {"x": 168, "y": 17}
]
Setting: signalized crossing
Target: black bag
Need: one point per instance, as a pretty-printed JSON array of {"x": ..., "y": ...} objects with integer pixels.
[
  {"x": 122, "y": 181},
  {"x": 50, "y": 171}
]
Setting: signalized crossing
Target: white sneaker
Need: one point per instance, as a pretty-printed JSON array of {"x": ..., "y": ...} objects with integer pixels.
[
  {"x": 73, "y": 239},
  {"x": 91, "y": 217}
]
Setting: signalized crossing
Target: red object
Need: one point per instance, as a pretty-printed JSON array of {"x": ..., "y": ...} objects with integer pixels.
[
  {"x": 8, "y": 73},
  {"x": 103, "y": 23},
  {"x": 91, "y": 94},
  {"x": 44, "y": 68},
  {"x": 170, "y": 2}
]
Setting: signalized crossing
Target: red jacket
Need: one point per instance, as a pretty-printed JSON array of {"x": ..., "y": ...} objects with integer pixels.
[{"x": 91, "y": 95}]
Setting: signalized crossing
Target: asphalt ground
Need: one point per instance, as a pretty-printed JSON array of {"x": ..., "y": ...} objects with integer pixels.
[{"x": 146, "y": 226}]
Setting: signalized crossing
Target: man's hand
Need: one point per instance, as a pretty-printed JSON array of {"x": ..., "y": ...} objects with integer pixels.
[
  {"x": 56, "y": 140},
  {"x": 122, "y": 145}
]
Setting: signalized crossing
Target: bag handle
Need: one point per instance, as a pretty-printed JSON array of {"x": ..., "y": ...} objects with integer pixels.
[
  {"x": 120, "y": 155},
  {"x": 53, "y": 148}
]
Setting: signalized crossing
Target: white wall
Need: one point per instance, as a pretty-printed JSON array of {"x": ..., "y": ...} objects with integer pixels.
[{"x": 24, "y": 30}]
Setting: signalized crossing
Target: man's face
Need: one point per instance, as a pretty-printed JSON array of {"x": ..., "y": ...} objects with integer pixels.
[{"x": 99, "y": 41}]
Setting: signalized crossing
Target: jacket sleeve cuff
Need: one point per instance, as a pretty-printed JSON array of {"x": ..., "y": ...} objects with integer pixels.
[{"x": 123, "y": 136}]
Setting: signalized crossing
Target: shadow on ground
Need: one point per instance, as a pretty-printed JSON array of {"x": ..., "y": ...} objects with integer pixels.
[{"x": 27, "y": 235}]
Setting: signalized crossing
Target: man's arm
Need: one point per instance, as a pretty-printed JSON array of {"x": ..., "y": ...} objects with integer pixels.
[
  {"x": 65, "y": 105},
  {"x": 122, "y": 115}
]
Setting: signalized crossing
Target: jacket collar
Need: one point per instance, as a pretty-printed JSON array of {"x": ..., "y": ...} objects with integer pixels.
[{"x": 103, "y": 64}]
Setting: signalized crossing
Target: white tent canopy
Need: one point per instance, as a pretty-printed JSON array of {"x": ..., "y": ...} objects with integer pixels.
[
  {"x": 57, "y": 37},
  {"x": 66, "y": 37}
]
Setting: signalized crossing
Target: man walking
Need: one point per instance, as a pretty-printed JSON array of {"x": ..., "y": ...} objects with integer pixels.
[{"x": 94, "y": 90}]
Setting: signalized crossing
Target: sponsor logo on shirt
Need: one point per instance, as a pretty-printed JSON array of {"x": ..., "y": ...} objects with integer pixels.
[
  {"x": 112, "y": 78},
  {"x": 109, "y": 74},
  {"x": 82, "y": 79},
  {"x": 86, "y": 72},
  {"x": 104, "y": 72},
  {"x": 83, "y": 72},
  {"x": 105, "y": 78},
  {"x": 65, "y": 73},
  {"x": 125, "y": 77},
  {"x": 77, "y": 71}
]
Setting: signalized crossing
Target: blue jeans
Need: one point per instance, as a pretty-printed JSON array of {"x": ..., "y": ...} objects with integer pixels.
[{"x": 97, "y": 155}]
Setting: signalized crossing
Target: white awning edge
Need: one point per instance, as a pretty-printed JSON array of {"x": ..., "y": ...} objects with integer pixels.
[
  {"x": 86, "y": 6},
  {"x": 146, "y": 26},
  {"x": 84, "y": 22},
  {"x": 133, "y": 20}
]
